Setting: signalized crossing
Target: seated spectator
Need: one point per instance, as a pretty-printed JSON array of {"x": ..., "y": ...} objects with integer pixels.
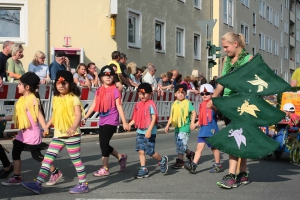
[
  {"x": 132, "y": 69},
  {"x": 14, "y": 66},
  {"x": 81, "y": 76},
  {"x": 39, "y": 68},
  {"x": 149, "y": 76},
  {"x": 92, "y": 71},
  {"x": 164, "y": 82}
]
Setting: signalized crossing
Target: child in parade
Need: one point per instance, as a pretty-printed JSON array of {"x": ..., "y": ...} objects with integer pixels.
[
  {"x": 208, "y": 122},
  {"x": 145, "y": 117},
  {"x": 291, "y": 118},
  {"x": 27, "y": 115},
  {"x": 107, "y": 102},
  {"x": 66, "y": 117},
  {"x": 182, "y": 117}
]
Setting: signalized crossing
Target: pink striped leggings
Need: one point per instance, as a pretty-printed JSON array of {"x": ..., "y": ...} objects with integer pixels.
[{"x": 57, "y": 144}]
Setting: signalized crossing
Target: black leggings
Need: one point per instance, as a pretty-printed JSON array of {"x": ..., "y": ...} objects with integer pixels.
[
  {"x": 3, "y": 157},
  {"x": 105, "y": 134},
  {"x": 19, "y": 146}
]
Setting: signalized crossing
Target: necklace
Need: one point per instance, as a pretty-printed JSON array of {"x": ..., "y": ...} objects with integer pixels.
[{"x": 228, "y": 67}]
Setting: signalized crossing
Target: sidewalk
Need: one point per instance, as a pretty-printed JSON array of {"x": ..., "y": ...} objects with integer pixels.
[{"x": 7, "y": 142}]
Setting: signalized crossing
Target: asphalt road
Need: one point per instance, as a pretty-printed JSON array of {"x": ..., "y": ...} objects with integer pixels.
[{"x": 269, "y": 179}]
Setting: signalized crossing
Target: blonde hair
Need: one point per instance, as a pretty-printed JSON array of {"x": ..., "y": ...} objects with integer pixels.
[
  {"x": 131, "y": 67},
  {"x": 37, "y": 55},
  {"x": 15, "y": 48},
  {"x": 79, "y": 65},
  {"x": 233, "y": 37},
  {"x": 163, "y": 75}
]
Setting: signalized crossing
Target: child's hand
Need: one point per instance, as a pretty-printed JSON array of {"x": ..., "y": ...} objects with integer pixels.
[
  {"x": 148, "y": 134},
  {"x": 209, "y": 104},
  {"x": 45, "y": 132},
  {"x": 167, "y": 129},
  {"x": 82, "y": 122},
  {"x": 71, "y": 131},
  {"x": 126, "y": 126},
  {"x": 192, "y": 126}
]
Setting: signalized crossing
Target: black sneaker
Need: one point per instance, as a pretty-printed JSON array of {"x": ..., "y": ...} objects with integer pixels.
[
  {"x": 228, "y": 181},
  {"x": 242, "y": 178},
  {"x": 190, "y": 156},
  {"x": 216, "y": 168},
  {"x": 191, "y": 168},
  {"x": 179, "y": 164},
  {"x": 4, "y": 174}
]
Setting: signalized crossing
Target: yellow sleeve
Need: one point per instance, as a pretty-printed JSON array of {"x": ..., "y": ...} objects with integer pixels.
[
  {"x": 295, "y": 74},
  {"x": 118, "y": 66},
  {"x": 77, "y": 101}
]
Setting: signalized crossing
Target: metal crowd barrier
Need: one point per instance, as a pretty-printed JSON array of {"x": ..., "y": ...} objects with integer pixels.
[{"x": 9, "y": 95}]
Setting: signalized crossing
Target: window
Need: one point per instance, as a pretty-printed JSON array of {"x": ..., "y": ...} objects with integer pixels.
[
  {"x": 180, "y": 41},
  {"x": 160, "y": 33},
  {"x": 286, "y": 26},
  {"x": 245, "y": 3},
  {"x": 245, "y": 32},
  {"x": 281, "y": 12},
  {"x": 253, "y": 50},
  {"x": 275, "y": 71},
  {"x": 287, "y": 4},
  {"x": 271, "y": 15},
  {"x": 297, "y": 57},
  {"x": 281, "y": 38},
  {"x": 276, "y": 47},
  {"x": 268, "y": 12},
  {"x": 298, "y": 11},
  {"x": 261, "y": 41},
  {"x": 197, "y": 4},
  {"x": 197, "y": 46},
  {"x": 268, "y": 44},
  {"x": 134, "y": 29},
  {"x": 286, "y": 53},
  {"x": 276, "y": 19},
  {"x": 227, "y": 12},
  {"x": 297, "y": 35},
  {"x": 262, "y": 8},
  {"x": 14, "y": 17},
  {"x": 254, "y": 22},
  {"x": 286, "y": 76}
]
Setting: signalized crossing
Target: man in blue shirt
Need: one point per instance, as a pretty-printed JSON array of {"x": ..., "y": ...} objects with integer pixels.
[{"x": 58, "y": 64}]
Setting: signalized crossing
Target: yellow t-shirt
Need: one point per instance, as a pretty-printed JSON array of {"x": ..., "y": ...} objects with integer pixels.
[
  {"x": 64, "y": 114},
  {"x": 118, "y": 66},
  {"x": 296, "y": 76}
]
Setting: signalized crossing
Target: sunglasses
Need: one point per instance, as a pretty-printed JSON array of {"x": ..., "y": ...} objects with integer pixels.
[{"x": 205, "y": 93}]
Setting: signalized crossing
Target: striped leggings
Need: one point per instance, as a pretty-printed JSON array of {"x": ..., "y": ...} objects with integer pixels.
[{"x": 73, "y": 147}]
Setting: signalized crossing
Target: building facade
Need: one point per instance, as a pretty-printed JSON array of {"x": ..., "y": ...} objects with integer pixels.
[
  {"x": 162, "y": 32},
  {"x": 271, "y": 28}
]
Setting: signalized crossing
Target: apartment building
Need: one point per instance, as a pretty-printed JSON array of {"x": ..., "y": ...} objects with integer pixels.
[
  {"x": 271, "y": 28},
  {"x": 164, "y": 32}
]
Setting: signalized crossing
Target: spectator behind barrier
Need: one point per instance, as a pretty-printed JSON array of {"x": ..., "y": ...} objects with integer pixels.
[
  {"x": 81, "y": 76},
  {"x": 92, "y": 71},
  {"x": 39, "y": 68},
  {"x": 4, "y": 56},
  {"x": 132, "y": 70},
  {"x": 14, "y": 66},
  {"x": 164, "y": 82},
  {"x": 58, "y": 64},
  {"x": 149, "y": 76}
]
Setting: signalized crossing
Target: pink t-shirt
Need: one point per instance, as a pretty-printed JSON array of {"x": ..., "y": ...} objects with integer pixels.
[
  {"x": 112, "y": 116},
  {"x": 31, "y": 135}
]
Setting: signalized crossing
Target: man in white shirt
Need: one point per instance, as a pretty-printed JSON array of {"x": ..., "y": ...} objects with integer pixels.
[{"x": 149, "y": 76}]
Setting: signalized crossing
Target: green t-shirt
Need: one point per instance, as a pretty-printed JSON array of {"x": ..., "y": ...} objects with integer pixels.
[
  {"x": 296, "y": 76},
  {"x": 12, "y": 66},
  {"x": 186, "y": 128}
]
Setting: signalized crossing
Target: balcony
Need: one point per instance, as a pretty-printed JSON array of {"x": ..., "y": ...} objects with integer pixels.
[
  {"x": 292, "y": 41},
  {"x": 292, "y": 65},
  {"x": 292, "y": 17}
]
